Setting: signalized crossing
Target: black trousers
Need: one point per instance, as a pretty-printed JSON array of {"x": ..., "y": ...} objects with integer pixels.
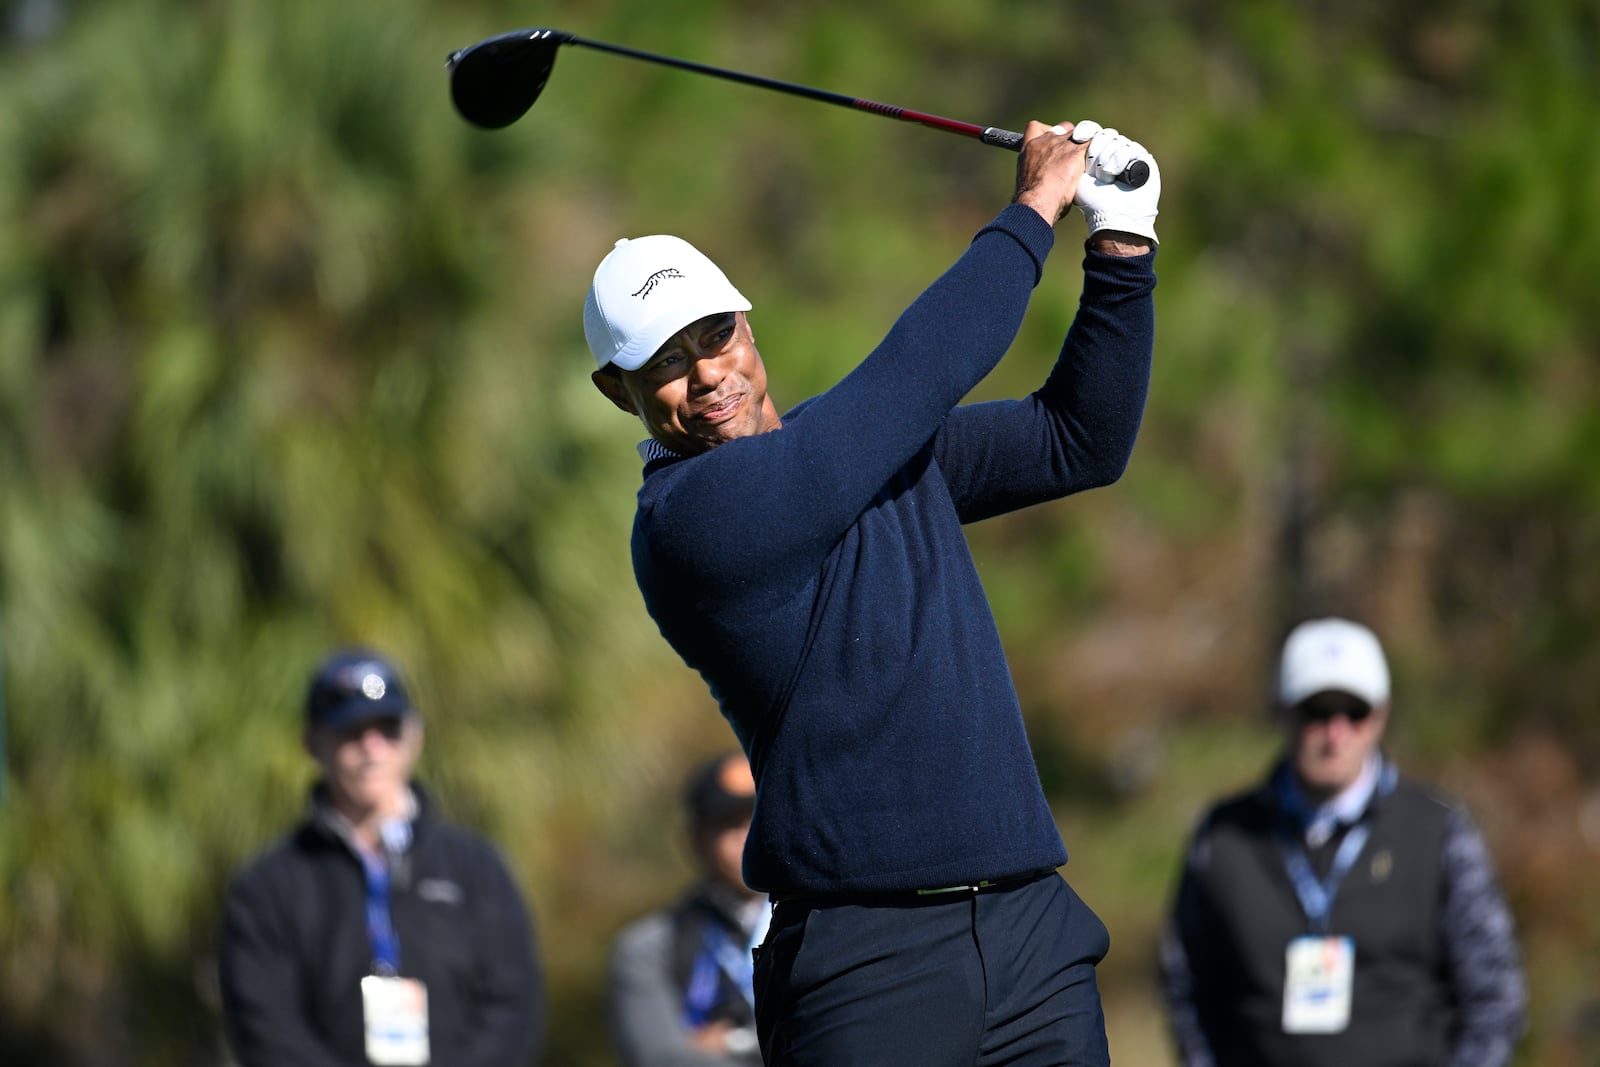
[{"x": 1002, "y": 975}]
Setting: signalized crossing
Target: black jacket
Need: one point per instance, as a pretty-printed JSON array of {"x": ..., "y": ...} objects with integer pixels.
[{"x": 295, "y": 948}]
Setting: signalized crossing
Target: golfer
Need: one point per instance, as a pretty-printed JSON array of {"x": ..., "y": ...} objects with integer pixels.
[{"x": 811, "y": 566}]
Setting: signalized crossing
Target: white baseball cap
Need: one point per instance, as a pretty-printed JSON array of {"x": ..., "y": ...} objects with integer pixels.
[
  {"x": 1325, "y": 654},
  {"x": 646, "y": 290}
]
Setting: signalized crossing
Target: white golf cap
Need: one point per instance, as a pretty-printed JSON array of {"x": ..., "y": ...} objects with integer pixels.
[
  {"x": 1325, "y": 654},
  {"x": 646, "y": 290}
]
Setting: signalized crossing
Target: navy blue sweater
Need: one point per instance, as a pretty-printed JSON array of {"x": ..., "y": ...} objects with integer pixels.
[{"x": 818, "y": 579}]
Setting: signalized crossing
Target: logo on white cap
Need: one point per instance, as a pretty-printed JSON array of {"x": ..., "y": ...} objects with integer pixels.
[
  {"x": 646, "y": 290},
  {"x": 650, "y": 282},
  {"x": 1333, "y": 654}
]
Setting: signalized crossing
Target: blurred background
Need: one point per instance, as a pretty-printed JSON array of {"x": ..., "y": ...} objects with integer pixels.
[{"x": 290, "y": 356}]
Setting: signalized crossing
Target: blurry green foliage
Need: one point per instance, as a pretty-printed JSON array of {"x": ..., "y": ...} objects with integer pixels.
[{"x": 290, "y": 356}]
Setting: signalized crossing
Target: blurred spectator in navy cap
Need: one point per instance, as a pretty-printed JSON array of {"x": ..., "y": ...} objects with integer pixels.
[{"x": 375, "y": 932}]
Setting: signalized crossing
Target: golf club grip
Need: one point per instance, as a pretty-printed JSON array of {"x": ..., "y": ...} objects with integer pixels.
[
  {"x": 1001, "y": 138},
  {"x": 1133, "y": 176}
]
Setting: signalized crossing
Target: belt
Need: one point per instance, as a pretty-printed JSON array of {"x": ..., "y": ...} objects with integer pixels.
[{"x": 911, "y": 896}]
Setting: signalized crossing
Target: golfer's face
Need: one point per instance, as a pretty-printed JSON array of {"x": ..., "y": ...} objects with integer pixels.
[{"x": 704, "y": 386}]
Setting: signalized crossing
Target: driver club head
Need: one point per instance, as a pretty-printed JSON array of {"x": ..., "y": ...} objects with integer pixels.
[{"x": 494, "y": 82}]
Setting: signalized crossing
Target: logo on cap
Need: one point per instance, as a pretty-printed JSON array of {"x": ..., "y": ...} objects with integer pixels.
[
  {"x": 373, "y": 687},
  {"x": 650, "y": 282}
]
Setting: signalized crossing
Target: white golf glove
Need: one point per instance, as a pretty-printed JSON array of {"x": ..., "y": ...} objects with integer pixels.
[{"x": 1105, "y": 204}]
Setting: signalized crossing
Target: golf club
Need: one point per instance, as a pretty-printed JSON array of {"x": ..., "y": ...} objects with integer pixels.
[{"x": 494, "y": 82}]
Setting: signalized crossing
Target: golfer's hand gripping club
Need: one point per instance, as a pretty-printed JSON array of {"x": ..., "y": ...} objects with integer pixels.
[
  {"x": 1133, "y": 175},
  {"x": 1109, "y": 202}
]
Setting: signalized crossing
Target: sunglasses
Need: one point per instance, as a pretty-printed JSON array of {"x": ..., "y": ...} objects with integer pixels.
[
  {"x": 390, "y": 727},
  {"x": 1324, "y": 707}
]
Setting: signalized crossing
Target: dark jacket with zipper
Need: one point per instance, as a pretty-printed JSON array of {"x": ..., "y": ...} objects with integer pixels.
[{"x": 295, "y": 947}]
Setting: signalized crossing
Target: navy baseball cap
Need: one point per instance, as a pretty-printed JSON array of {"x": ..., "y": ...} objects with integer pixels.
[{"x": 355, "y": 685}]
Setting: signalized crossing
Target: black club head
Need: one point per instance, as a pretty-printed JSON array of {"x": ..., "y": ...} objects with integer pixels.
[{"x": 494, "y": 82}]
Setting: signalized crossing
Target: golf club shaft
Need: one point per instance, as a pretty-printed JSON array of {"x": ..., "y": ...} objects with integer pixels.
[
  {"x": 494, "y": 82},
  {"x": 987, "y": 134}
]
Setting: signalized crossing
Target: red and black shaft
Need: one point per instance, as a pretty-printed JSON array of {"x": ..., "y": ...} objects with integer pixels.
[{"x": 987, "y": 134}]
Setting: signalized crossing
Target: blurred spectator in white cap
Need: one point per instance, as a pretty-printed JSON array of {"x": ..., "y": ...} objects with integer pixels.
[{"x": 1338, "y": 913}]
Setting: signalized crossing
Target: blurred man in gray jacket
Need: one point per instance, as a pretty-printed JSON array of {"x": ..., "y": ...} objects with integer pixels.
[{"x": 681, "y": 980}]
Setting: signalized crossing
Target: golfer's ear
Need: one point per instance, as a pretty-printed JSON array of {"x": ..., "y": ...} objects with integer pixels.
[{"x": 609, "y": 381}]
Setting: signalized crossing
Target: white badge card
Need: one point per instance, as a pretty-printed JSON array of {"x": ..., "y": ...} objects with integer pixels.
[
  {"x": 396, "y": 1013},
  {"x": 1319, "y": 976}
]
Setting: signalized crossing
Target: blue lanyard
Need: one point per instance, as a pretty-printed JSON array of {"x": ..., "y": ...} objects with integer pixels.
[
  {"x": 1316, "y": 895},
  {"x": 720, "y": 954},
  {"x": 380, "y": 929}
]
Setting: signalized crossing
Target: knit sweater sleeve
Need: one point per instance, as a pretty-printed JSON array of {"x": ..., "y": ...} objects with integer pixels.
[
  {"x": 1077, "y": 430},
  {"x": 771, "y": 506}
]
